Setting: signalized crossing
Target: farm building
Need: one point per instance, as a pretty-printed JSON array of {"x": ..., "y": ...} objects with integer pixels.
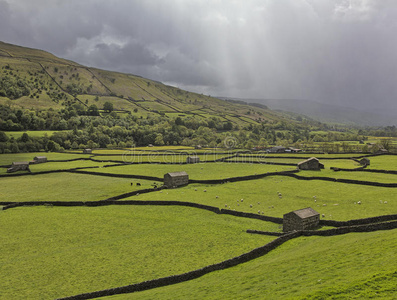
[
  {"x": 87, "y": 151},
  {"x": 19, "y": 166},
  {"x": 302, "y": 219},
  {"x": 293, "y": 150},
  {"x": 310, "y": 164},
  {"x": 175, "y": 179},
  {"x": 192, "y": 159},
  {"x": 277, "y": 149},
  {"x": 365, "y": 161},
  {"x": 40, "y": 159}
]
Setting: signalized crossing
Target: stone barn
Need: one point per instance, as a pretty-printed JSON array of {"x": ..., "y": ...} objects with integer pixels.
[
  {"x": 310, "y": 164},
  {"x": 87, "y": 151},
  {"x": 175, "y": 179},
  {"x": 365, "y": 161},
  {"x": 302, "y": 219},
  {"x": 192, "y": 159},
  {"x": 19, "y": 166},
  {"x": 40, "y": 159}
]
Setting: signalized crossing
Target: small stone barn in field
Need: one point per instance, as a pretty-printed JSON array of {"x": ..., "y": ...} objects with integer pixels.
[
  {"x": 40, "y": 159},
  {"x": 87, "y": 151},
  {"x": 365, "y": 161},
  {"x": 19, "y": 166},
  {"x": 175, "y": 179},
  {"x": 192, "y": 159},
  {"x": 302, "y": 219},
  {"x": 310, "y": 164}
]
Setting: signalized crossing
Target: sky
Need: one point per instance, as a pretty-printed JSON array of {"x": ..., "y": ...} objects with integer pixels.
[{"x": 341, "y": 52}]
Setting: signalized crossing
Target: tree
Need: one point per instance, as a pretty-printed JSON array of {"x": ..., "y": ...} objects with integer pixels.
[
  {"x": 93, "y": 110},
  {"x": 25, "y": 137},
  {"x": 108, "y": 107},
  {"x": 3, "y": 137}
]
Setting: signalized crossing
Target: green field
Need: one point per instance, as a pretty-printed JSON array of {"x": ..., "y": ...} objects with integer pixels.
[
  {"x": 342, "y": 267},
  {"x": 50, "y": 252},
  {"x": 46, "y": 254}
]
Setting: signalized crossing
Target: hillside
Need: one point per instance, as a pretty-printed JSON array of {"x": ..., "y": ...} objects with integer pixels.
[
  {"x": 75, "y": 107},
  {"x": 46, "y": 81}
]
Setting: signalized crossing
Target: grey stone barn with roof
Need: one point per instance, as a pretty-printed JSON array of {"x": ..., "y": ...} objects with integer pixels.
[
  {"x": 175, "y": 179},
  {"x": 40, "y": 159},
  {"x": 192, "y": 159},
  {"x": 365, "y": 161},
  {"x": 310, "y": 164},
  {"x": 302, "y": 219},
  {"x": 87, "y": 151},
  {"x": 19, "y": 166}
]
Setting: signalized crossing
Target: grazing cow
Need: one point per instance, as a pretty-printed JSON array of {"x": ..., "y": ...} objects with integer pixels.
[{"x": 138, "y": 184}]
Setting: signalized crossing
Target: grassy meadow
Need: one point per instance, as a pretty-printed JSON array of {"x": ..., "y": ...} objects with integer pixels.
[{"x": 52, "y": 252}]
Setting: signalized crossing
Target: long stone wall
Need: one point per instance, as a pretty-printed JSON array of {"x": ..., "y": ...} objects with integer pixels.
[{"x": 170, "y": 280}]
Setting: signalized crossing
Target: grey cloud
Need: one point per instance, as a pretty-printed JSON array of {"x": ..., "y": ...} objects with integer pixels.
[{"x": 341, "y": 52}]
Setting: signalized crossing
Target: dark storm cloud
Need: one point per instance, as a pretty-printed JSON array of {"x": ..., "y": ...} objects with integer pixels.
[{"x": 335, "y": 51}]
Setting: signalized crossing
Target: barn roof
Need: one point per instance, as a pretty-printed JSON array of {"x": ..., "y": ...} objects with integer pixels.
[
  {"x": 38, "y": 157},
  {"x": 308, "y": 160},
  {"x": 306, "y": 212},
  {"x": 20, "y": 163},
  {"x": 177, "y": 174}
]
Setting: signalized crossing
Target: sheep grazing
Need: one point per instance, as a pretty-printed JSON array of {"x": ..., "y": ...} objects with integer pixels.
[
  {"x": 195, "y": 190},
  {"x": 216, "y": 197},
  {"x": 359, "y": 202},
  {"x": 380, "y": 201},
  {"x": 385, "y": 202},
  {"x": 225, "y": 205},
  {"x": 323, "y": 215},
  {"x": 251, "y": 205},
  {"x": 205, "y": 191},
  {"x": 259, "y": 212},
  {"x": 259, "y": 203},
  {"x": 242, "y": 200}
]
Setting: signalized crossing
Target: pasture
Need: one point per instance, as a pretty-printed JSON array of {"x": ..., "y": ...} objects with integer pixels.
[{"x": 52, "y": 251}]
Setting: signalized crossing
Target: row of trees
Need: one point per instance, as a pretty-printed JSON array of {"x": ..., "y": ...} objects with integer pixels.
[{"x": 79, "y": 129}]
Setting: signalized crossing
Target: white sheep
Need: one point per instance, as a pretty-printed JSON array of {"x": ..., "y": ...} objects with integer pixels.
[
  {"x": 216, "y": 197},
  {"x": 251, "y": 205},
  {"x": 205, "y": 191},
  {"x": 385, "y": 202},
  {"x": 359, "y": 202}
]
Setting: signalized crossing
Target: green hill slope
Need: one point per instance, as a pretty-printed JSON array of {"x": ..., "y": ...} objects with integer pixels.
[{"x": 37, "y": 79}]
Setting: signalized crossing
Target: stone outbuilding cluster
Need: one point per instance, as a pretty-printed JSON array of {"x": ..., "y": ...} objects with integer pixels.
[
  {"x": 24, "y": 165},
  {"x": 302, "y": 219},
  {"x": 176, "y": 179},
  {"x": 310, "y": 164}
]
